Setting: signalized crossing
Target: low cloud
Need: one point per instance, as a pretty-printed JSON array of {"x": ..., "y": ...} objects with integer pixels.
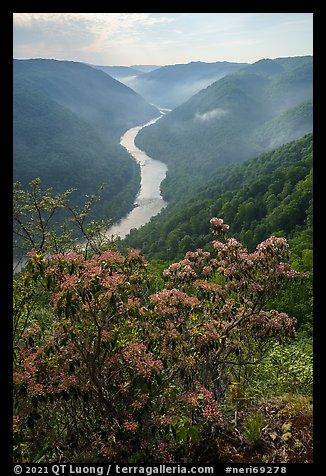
[{"x": 213, "y": 114}]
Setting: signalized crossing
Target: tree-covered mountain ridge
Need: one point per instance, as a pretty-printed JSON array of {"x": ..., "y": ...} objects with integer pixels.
[
  {"x": 96, "y": 97},
  {"x": 271, "y": 193},
  {"x": 253, "y": 110},
  {"x": 67, "y": 121}
]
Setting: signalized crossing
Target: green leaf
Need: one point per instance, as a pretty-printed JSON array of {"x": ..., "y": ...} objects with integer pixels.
[
  {"x": 194, "y": 433},
  {"x": 182, "y": 435}
]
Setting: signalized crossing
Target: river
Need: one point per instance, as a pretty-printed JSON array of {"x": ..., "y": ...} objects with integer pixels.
[{"x": 149, "y": 201}]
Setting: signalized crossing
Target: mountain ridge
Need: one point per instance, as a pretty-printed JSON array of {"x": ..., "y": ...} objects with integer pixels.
[
  {"x": 222, "y": 124},
  {"x": 183, "y": 80},
  {"x": 68, "y": 119},
  {"x": 96, "y": 97}
]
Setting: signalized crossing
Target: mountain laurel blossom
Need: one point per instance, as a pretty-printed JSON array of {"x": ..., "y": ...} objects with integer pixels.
[{"x": 137, "y": 355}]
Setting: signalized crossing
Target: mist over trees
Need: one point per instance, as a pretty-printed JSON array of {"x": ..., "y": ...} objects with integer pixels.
[
  {"x": 256, "y": 109},
  {"x": 94, "y": 96},
  {"x": 172, "y": 85},
  {"x": 68, "y": 118}
]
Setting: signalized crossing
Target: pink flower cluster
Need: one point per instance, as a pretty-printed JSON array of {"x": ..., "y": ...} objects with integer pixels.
[
  {"x": 110, "y": 257},
  {"x": 130, "y": 425},
  {"x": 271, "y": 322},
  {"x": 73, "y": 278},
  {"x": 113, "y": 281},
  {"x": 195, "y": 264},
  {"x": 211, "y": 412},
  {"x": 31, "y": 330},
  {"x": 73, "y": 258},
  {"x": 141, "y": 360},
  {"x": 16, "y": 423},
  {"x": 180, "y": 272},
  {"x": 275, "y": 244},
  {"x": 203, "y": 400},
  {"x": 198, "y": 257},
  {"x": 170, "y": 301},
  {"x": 218, "y": 226},
  {"x": 26, "y": 373},
  {"x": 69, "y": 282},
  {"x": 214, "y": 288},
  {"x": 135, "y": 256}
]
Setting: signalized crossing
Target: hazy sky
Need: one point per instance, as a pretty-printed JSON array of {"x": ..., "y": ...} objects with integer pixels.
[{"x": 161, "y": 38}]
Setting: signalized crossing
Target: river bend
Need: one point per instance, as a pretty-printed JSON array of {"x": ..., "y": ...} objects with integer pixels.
[{"x": 149, "y": 201}]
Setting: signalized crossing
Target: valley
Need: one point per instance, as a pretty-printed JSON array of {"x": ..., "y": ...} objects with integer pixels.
[
  {"x": 176, "y": 324},
  {"x": 68, "y": 118},
  {"x": 253, "y": 110},
  {"x": 244, "y": 113}
]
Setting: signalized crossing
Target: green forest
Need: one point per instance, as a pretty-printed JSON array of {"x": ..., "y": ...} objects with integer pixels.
[
  {"x": 191, "y": 340},
  {"x": 269, "y": 194},
  {"x": 205, "y": 357},
  {"x": 253, "y": 110},
  {"x": 67, "y": 121}
]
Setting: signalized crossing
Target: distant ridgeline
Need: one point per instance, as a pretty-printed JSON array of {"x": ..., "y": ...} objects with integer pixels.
[
  {"x": 68, "y": 118},
  {"x": 172, "y": 85},
  {"x": 253, "y": 110},
  {"x": 269, "y": 194}
]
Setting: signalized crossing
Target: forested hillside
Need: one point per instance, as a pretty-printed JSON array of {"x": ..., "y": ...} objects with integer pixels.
[
  {"x": 68, "y": 118},
  {"x": 94, "y": 96},
  {"x": 256, "y": 109},
  {"x": 264, "y": 196},
  {"x": 271, "y": 193}
]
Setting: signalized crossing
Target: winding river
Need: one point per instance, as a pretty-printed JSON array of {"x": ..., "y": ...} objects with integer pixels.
[{"x": 149, "y": 201}]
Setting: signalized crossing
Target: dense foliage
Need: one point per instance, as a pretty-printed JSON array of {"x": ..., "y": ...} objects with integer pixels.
[
  {"x": 110, "y": 363},
  {"x": 271, "y": 193},
  {"x": 204, "y": 353},
  {"x": 235, "y": 118}
]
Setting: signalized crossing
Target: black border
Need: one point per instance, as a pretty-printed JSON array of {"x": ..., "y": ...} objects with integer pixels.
[{"x": 6, "y": 464}]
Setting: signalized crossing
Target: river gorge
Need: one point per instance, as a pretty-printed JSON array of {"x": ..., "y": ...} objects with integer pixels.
[{"x": 149, "y": 201}]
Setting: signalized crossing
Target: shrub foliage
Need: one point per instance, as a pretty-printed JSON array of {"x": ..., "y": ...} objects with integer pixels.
[{"x": 110, "y": 363}]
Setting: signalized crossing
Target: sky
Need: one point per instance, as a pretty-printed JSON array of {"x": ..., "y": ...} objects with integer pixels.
[{"x": 161, "y": 38}]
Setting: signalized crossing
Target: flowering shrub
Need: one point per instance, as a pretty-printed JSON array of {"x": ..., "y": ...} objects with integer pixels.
[{"x": 128, "y": 373}]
